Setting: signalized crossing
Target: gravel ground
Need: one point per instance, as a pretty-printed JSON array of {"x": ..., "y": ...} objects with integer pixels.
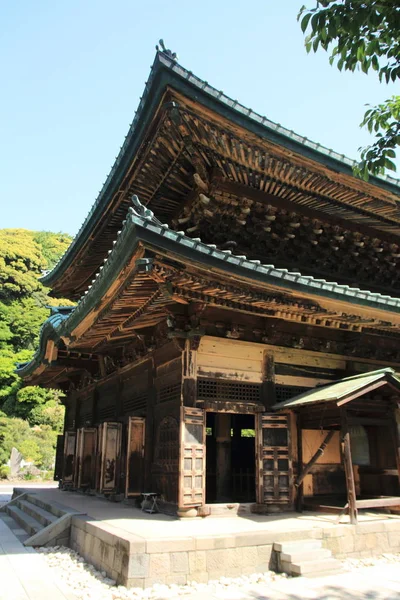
[{"x": 86, "y": 583}]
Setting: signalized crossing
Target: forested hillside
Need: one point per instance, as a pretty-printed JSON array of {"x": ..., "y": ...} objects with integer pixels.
[{"x": 30, "y": 417}]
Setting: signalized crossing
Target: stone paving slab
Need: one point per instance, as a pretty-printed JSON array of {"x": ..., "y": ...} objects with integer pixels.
[
  {"x": 370, "y": 583},
  {"x": 23, "y": 573}
]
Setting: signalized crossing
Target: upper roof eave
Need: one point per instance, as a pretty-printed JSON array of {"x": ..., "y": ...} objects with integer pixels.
[
  {"x": 166, "y": 71},
  {"x": 141, "y": 227}
]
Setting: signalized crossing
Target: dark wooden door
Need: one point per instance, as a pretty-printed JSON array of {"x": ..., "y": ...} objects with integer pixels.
[
  {"x": 275, "y": 472},
  {"x": 192, "y": 458},
  {"x": 69, "y": 457},
  {"x": 135, "y": 457},
  {"x": 111, "y": 451},
  {"x": 87, "y": 457}
]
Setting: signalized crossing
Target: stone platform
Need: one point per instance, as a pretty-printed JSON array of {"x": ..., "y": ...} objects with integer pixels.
[{"x": 139, "y": 549}]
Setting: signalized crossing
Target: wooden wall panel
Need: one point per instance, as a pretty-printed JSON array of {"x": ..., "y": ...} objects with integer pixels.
[
  {"x": 313, "y": 438},
  {"x": 230, "y": 359}
]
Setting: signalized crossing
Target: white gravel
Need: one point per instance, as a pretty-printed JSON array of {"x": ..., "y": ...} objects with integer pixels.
[
  {"x": 372, "y": 561},
  {"x": 86, "y": 583}
]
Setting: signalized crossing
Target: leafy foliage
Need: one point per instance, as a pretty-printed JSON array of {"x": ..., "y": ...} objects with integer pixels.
[
  {"x": 30, "y": 417},
  {"x": 363, "y": 34}
]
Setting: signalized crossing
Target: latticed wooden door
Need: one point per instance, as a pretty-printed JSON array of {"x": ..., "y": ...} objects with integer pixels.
[
  {"x": 135, "y": 457},
  {"x": 192, "y": 458},
  {"x": 275, "y": 471}
]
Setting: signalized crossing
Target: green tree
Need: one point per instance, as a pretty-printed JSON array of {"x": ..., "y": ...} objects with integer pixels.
[
  {"x": 30, "y": 450},
  {"x": 363, "y": 34},
  {"x": 24, "y": 303},
  {"x": 13, "y": 432},
  {"x": 46, "y": 439}
]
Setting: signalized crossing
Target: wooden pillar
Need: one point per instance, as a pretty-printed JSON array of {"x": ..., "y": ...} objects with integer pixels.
[
  {"x": 396, "y": 441},
  {"x": 348, "y": 467},
  {"x": 223, "y": 458},
  {"x": 268, "y": 394},
  {"x": 189, "y": 371},
  {"x": 300, "y": 489},
  {"x": 150, "y": 433}
]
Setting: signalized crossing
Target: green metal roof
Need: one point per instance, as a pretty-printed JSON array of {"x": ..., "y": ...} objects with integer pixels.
[
  {"x": 335, "y": 392},
  {"x": 142, "y": 226},
  {"x": 166, "y": 71}
]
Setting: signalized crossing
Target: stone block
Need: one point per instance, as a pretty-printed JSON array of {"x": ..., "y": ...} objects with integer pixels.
[
  {"x": 160, "y": 564},
  {"x": 108, "y": 555},
  {"x": 204, "y": 542},
  {"x": 248, "y": 556},
  {"x": 197, "y": 561},
  {"x": 264, "y": 554},
  {"x": 179, "y": 562},
  {"x": 394, "y": 540},
  {"x": 183, "y": 544},
  {"x": 136, "y": 582},
  {"x": 255, "y": 538},
  {"x": 338, "y": 531},
  {"x": 392, "y": 525},
  {"x": 224, "y": 541},
  {"x": 223, "y": 560},
  {"x": 370, "y": 527},
  {"x": 176, "y": 578},
  {"x": 198, "y": 576},
  {"x": 138, "y": 565},
  {"x": 120, "y": 558}
]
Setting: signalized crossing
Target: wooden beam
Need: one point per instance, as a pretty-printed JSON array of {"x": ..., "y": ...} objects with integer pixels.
[
  {"x": 378, "y": 502},
  {"x": 348, "y": 467},
  {"x": 362, "y": 392},
  {"x": 243, "y": 191},
  {"x": 314, "y": 458}
]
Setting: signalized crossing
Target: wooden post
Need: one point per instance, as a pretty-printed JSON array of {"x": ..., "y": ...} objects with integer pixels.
[
  {"x": 396, "y": 441},
  {"x": 348, "y": 467},
  {"x": 268, "y": 394},
  {"x": 300, "y": 489},
  {"x": 150, "y": 433},
  {"x": 223, "y": 462}
]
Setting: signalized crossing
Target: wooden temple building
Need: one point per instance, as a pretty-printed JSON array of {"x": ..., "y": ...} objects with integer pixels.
[{"x": 236, "y": 335}]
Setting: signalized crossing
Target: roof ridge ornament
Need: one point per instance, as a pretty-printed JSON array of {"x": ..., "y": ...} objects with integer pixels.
[
  {"x": 169, "y": 53},
  {"x": 142, "y": 211}
]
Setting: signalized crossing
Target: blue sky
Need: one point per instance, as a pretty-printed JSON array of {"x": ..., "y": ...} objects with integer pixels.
[{"x": 73, "y": 71}]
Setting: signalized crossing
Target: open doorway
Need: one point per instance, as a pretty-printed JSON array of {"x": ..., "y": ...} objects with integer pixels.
[{"x": 230, "y": 458}]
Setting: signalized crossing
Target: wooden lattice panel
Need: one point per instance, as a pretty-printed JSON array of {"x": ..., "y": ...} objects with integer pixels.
[
  {"x": 275, "y": 485},
  {"x": 214, "y": 389},
  {"x": 192, "y": 458},
  {"x": 285, "y": 392}
]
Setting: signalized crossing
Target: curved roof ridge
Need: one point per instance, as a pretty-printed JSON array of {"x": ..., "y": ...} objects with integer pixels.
[{"x": 162, "y": 59}]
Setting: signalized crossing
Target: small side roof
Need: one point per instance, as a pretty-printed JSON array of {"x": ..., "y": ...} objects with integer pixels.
[{"x": 344, "y": 389}]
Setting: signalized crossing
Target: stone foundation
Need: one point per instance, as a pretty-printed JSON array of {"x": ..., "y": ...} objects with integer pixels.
[{"x": 137, "y": 562}]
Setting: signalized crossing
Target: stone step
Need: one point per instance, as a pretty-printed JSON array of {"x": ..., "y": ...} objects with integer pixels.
[
  {"x": 306, "y": 555},
  {"x": 44, "y": 517},
  {"x": 30, "y": 524},
  {"x": 315, "y": 567},
  {"x": 47, "y": 506},
  {"x": 297, "y": 546}
]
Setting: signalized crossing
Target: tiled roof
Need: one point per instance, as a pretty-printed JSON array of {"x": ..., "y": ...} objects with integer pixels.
[
  {"x": 334, "y": 392},
  {"x": 141, "y": 225},
  {"x": 163, "y": 61}
]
